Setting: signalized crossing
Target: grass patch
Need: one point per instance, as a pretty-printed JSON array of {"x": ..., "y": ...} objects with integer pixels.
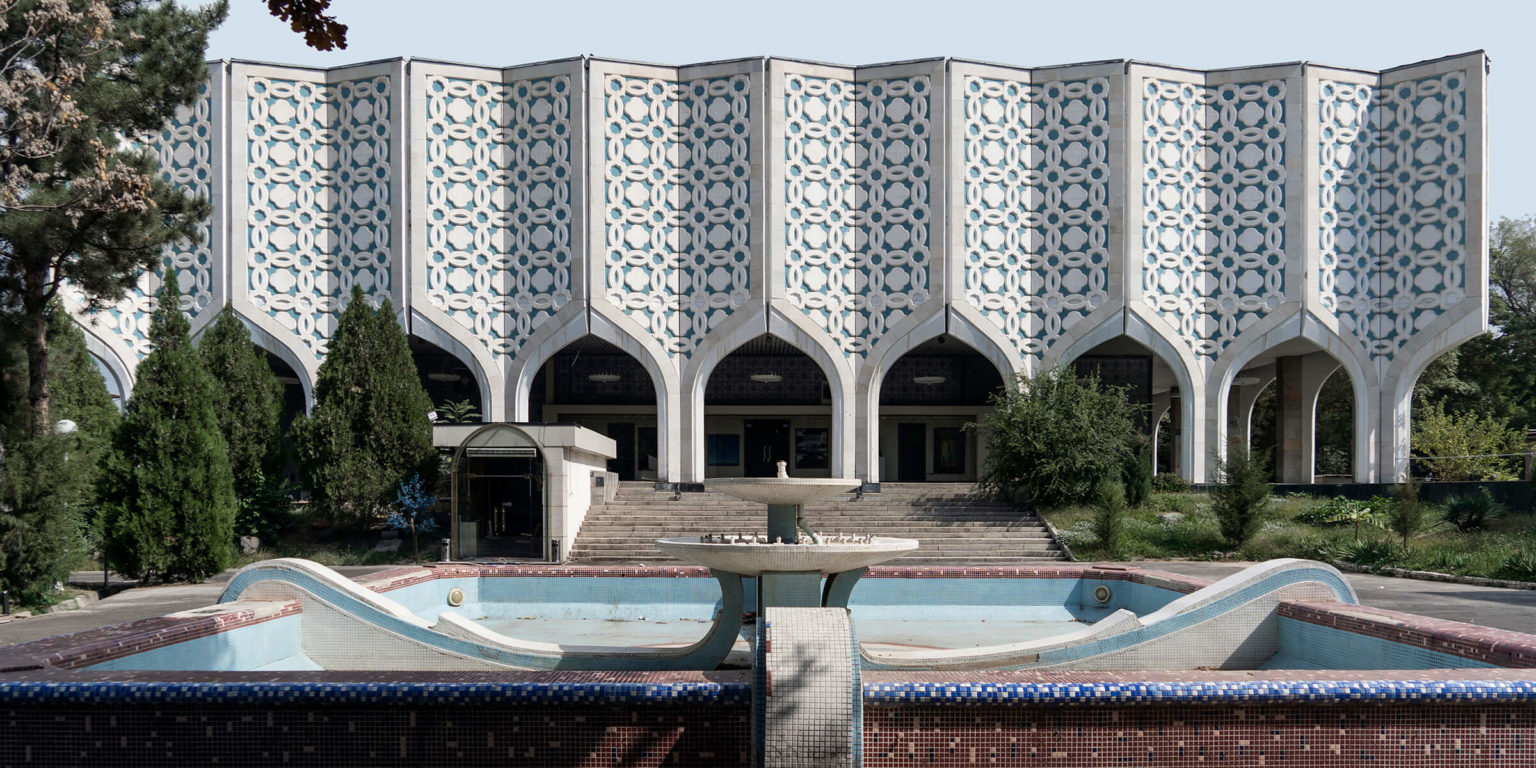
[{"x": 1182, "y": 526}]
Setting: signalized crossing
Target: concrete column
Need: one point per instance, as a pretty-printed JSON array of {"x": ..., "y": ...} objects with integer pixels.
[
  {"x": 1300, "y": 379},
  {"x": 1395, "y": 435}
]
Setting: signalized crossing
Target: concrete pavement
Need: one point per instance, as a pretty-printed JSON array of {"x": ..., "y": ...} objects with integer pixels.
[{"x": 1485, "y": 606}]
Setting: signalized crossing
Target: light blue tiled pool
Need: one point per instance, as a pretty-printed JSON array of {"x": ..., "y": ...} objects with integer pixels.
[{"x": 888, "y": 612}]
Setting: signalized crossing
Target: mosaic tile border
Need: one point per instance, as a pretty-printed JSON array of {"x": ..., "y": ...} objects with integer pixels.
[
  {"x": 1469, "y": 641},
  {"x": 373, "y": 692},
  {"x": 1199, "y": 692},
  {"x": 83, "y": 649}
]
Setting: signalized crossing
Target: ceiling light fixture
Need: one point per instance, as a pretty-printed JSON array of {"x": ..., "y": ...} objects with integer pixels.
[
  {"x": 928, "y": 379},
  {"x": 439, "y": 376},
  {"x": 1246, "y": 381},
  {"x": 767, "y": 378},
  {"x": 604, "y": 378}
]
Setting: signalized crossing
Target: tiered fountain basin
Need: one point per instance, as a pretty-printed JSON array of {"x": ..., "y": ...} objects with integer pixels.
[
  {"x": 754, "y": 555},
  {"x": 788, "y": 560}
]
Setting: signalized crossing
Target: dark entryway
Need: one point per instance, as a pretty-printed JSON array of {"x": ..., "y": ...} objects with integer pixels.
[
  {"x": 911, "y": 456},
  {"x": 623, "y": 463},
  {"x": 766, "y": 443},
  {"x": 503, "y": 514}
]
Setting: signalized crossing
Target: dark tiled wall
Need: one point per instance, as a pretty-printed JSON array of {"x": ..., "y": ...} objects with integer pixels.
[
  {"x": 1384, "y": 735},
  {"x": 687, "y": 735}
]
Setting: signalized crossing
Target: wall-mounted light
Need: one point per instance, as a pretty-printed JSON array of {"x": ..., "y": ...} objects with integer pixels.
[
  {"x": 604, "y": 378},
  {"x": 928, "y": 379},
  {"x": 767, "y": 378}
]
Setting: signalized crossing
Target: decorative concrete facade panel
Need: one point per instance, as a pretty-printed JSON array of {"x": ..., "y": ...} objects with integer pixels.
[
  {"x": 677, "y": 196},
  {"x": 318, "y": 188},
  {"x": 1037, "y": 195},
  {"x": 859, "y": 204},
  {"x": 1213, "y": 202},
  {"x": 1419, "y": 205},
  {"x": 500, "y": 190}
]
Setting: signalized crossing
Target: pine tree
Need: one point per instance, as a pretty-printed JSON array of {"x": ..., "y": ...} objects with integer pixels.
[
  {"x": 169, "y": 494},
  {"x": 369, "y": 428},
  {"x": 78, "y": 204},
  {"x": 247, "y": 400}
]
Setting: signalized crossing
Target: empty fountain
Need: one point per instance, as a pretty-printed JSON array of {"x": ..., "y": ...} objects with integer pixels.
[{"x": 789, "y": 560}]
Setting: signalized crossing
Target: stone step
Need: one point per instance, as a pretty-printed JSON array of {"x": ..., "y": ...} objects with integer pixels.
[
  {"x": 951, "y": 522},
  {"x": 1003, "y": 561}
]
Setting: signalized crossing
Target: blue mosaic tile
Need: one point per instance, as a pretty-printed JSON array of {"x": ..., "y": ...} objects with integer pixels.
[
  {"x": 1199, "y": 692},
  {"x": 447, "y": 693}
]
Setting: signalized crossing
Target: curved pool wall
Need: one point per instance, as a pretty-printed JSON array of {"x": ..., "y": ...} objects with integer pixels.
[{"x": 106, "y": 696}]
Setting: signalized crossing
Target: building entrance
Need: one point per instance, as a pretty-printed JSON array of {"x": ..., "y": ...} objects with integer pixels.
[
  {"x": 504, "y": 516},
  {"x": 499, "y": 496},
  {"x": 766, "y": 444},
  {"x": 911, "y": 454}
]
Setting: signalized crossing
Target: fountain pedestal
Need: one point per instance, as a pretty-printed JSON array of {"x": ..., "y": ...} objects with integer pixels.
[{"x": 789, "y": 567}]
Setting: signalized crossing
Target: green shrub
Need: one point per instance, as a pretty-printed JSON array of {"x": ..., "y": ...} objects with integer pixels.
[
  {"x": 1448, "y": 561},
  {"x": 1317, "y": 548},
  {"x": 1340, "y": 511},
  {"x": 1053, "y": 439},
  {"x": 1137, "y": 471},
  {"x": 1464, "y": 446},
  {"x": 48, "y": 481},
  {"x": 1519, "y": 566},
  {"x": 1109, "y": 516},
  {"x": 457, "y": 412},
  {"x": 41, "y": 520},
  {"x": 1373, "y": 552},
  {"x": 1241, "y": 494},
  {"x": 1405, "y": 515},
  {"x": 168, "y": 493},
  {"x": 1169, "y": 482},
  {"x": 1171, "y": 503},
  {"x": 1472, "y": 511},
  {"x": 265, "y": 512}
]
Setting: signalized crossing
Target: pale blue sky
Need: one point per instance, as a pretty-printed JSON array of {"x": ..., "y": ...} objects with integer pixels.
[{"x": 1366, "y": 35}]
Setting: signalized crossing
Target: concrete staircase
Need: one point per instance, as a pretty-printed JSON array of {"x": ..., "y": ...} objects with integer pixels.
[{"x": 953, "y": 523}]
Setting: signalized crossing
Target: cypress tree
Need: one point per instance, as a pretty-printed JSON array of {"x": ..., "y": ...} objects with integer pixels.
[
  {"x": 369, "y": 428},
  {"x": 79, "y": 393},
  {"x": 169, "y": 494},
  {"x": 47, "y": 481},
  {"x": 247, "y": 401}
]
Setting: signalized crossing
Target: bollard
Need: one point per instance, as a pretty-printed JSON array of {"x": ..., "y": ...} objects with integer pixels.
[
  {"x": 5, "y": 602},
  {"x": 445, "y": 556}
]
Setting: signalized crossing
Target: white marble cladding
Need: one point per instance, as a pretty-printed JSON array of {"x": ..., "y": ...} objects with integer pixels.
[{"x": 856, "y": 212}]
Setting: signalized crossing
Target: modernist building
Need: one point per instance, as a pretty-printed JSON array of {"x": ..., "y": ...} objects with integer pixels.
[{"x": 725, "y": 264}]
